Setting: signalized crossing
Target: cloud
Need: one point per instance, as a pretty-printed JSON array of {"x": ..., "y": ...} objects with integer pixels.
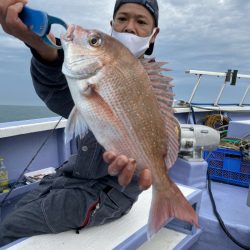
[
  {"x": 90, "y": 14},
  {"x": 207, "y": 35}
]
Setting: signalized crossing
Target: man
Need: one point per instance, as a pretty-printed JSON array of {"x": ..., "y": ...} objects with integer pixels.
[{"x": 93, "y": 187}]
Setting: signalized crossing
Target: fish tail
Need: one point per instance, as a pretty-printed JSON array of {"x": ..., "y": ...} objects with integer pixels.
[{"x": 168, "y": 204}]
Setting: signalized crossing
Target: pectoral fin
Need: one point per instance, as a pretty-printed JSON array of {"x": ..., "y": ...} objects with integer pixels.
[{"x": 76, "y": 125}]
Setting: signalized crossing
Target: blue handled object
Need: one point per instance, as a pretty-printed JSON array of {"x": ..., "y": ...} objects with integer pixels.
[{"x": 40, "y": 23}]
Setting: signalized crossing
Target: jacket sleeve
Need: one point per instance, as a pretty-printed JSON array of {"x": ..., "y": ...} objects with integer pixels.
[{"x": 50, "y": 84}]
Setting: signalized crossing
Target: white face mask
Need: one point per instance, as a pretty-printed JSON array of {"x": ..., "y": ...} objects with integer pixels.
[{"x": 136, "y": 44}]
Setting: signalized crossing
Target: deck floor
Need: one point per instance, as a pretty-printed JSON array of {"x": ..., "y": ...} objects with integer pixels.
[{"x": 231, "y": 202}]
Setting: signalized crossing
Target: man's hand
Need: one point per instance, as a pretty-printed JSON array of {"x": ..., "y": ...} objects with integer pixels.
[
  {"x": 12, "y": 25},
  {"x": 124, "y": 168}
]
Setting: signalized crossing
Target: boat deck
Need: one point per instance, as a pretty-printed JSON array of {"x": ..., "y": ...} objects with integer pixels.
[{"x": 230, "y": 200}]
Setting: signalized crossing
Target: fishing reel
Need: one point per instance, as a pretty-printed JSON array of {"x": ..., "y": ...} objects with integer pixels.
[{"x": 194, "y": 139}]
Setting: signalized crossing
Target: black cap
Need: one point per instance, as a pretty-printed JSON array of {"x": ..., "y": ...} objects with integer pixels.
[{"x": 151, "y": 6}]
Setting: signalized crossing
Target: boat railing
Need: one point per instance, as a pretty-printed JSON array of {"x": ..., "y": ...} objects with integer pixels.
[{"x": 231, "y": 76}]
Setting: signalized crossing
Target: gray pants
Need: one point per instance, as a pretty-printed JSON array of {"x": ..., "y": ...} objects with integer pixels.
[{"x": 61, "y": 203}]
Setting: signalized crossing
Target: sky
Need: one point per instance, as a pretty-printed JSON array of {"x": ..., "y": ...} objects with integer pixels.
[{"x": 207, "y": 35}]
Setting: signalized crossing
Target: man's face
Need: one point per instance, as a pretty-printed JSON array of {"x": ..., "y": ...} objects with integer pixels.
[{"x": 135, "y": 19}]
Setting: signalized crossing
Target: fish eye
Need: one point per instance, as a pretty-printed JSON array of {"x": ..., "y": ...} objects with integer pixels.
[{"x": 95, "y": 40}]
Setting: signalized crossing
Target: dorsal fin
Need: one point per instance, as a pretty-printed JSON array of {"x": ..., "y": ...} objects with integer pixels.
[{"x": 163, "y": 91}]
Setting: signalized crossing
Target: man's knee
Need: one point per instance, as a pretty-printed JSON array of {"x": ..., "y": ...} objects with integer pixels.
[{"x": 6, "y": 235}]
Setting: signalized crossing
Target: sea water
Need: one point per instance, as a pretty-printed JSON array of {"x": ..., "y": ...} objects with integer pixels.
[{"x": 9, "y": 113}]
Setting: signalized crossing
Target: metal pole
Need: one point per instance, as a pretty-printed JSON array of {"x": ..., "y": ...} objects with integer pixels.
[
  {"x": 218, "y": 74},
  {"x": 221, "y": 91},
  {"x": 210, "y": 73},
  {"x": 195, "y": 88},
  {"x": 244, "y": 96}
]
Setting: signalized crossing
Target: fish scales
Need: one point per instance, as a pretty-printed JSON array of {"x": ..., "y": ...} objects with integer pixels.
[
  {"x": 120, "y": 104},
  {"x": 124, "y": 99}
]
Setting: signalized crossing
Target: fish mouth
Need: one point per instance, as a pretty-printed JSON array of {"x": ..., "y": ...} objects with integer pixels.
[
  {"x": 83, "y": 61},
  {"x": 75, "y": 62},
  {"x": 68, "y": 72},
  {"x": 86, "y": 73}
]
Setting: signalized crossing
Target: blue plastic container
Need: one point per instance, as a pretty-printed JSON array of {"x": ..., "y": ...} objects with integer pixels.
[{"x": 228, "y": 166}]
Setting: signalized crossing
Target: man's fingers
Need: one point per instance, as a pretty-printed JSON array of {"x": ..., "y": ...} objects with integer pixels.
[
  {"x": 13, "y": 12},
  {"x": 16, "y": 8},
  {"x": 145, "y": 180},
  {"x": 6, "y": 5},
  {"x": 127, "y": 173},
  {"x": 109, "y": 156},
  {"x": 125, "y": 168},
  {"x": 117, "y": 165}
]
